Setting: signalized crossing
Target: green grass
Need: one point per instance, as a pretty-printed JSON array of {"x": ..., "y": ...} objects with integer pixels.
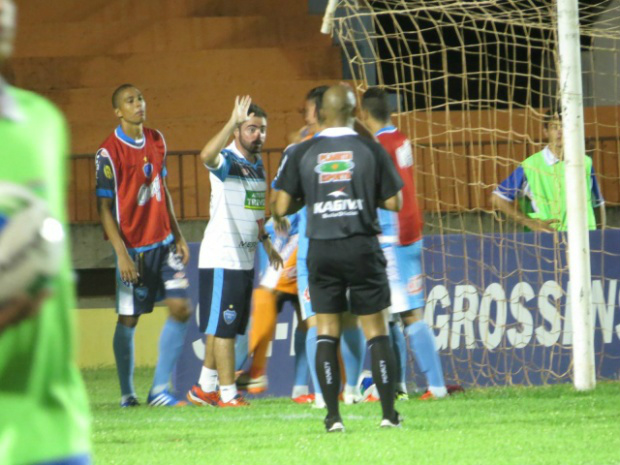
[{"x": 524, "y": 426}]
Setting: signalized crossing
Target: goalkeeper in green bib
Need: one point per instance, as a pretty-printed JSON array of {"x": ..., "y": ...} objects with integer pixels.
[
  {"x": 44, "y": 417},
  {"x": 534, "y": 195}
]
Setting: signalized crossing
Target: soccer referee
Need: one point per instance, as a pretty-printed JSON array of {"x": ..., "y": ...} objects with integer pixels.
[{"x": 342, "y": 178}]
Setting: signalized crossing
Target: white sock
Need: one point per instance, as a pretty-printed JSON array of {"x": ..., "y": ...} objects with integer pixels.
[
  {"x": 318, "y": 401},
  {"x": 299, "y": 391},
  {"x": 156, "y": 390},
  {"x": 351, "y": 390},
  {"x": 438, "y": 392},
  {"x": 228, "y": 393},
  {"x": 126, "y": 397},
  {"x": 208, "y": 379}
]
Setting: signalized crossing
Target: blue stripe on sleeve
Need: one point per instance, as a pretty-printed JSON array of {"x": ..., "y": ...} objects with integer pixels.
[
  {"x": 512, "y": 187},
  {"x": 597, "y": 196},
  {"x": 224, "y": 169},
  {"x": 107, "y": 193}
]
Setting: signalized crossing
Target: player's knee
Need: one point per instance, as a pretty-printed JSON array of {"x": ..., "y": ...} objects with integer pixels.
[
  {"x": 179, "y": 310},
  {"x": 374, "y": 325},
  {"x": 129, "y": 321},
  {"x": 412, "y": 316},
  {"x": 329, "y": 325}
]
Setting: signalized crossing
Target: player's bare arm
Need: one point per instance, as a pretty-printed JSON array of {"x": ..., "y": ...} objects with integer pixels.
[
  {"x": 394, "y": 203},
  {"x": 281, "y": 223},
  {"x": 275, "y": 259},
  {"x": 211, "y": 152},
  {"x": 513, "y": 211},
  {"x": 126, "y": 266},
  {"x": 179, "y": 240},
  {"x": 284, "y": 205}
]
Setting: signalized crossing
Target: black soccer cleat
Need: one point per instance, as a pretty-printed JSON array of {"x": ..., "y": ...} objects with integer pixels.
[
  {"x": 395, "y": 422},
  {"x": 334, "y": 425},
  {"x": 131, "y": 401}
]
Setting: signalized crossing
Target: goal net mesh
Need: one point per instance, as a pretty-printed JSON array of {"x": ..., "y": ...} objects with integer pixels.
[{"x": 472, "y": 81}]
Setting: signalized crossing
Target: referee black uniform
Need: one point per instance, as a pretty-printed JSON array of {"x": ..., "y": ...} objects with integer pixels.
[{"x": 341, "y": 178}]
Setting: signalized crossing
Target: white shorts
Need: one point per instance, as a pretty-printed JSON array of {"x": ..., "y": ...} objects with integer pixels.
[{"x": 404, "y": 270}]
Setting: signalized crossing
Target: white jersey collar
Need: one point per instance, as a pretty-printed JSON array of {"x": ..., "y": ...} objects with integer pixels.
[
  {"x": 336, "y": 132},
  {"x": 232, "y": 147},
  {"x": 549, "y": 156}
]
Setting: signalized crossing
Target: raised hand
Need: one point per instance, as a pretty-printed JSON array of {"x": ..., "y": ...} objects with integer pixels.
[{"x": 240, "y": 111}]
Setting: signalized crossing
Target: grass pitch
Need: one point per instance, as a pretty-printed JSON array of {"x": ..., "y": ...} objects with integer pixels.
[{"x": 495, "y": 426}]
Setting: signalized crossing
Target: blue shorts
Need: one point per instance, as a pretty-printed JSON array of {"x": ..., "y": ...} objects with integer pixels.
[
  {"x": 161, "y": 276},
  {"x": 303, "y": 293},
  {"x": 225, "y": 297},
  {"x": 404, "y": 270}
]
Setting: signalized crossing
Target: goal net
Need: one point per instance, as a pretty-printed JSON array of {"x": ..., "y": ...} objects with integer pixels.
[{"x": 472, "y": 81}]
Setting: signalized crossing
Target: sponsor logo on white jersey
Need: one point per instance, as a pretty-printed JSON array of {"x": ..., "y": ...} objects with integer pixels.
[{"x": 248, "y": 244}]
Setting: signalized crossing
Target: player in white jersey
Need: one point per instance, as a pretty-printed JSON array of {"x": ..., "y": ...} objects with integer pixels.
[{"x": 227, "y": 250}]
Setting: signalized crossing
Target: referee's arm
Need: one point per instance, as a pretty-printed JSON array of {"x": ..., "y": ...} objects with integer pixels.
[
  {"x": 394, "y": 203},
  {"x": 288, "y": 184}
]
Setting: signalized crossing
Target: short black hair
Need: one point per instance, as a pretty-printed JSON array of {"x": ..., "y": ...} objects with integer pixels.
[
  {"x": 116, "y": 94},
  {"x": 376, "y": 101},
  {"x": 551, "y": 115},
  {"x": 258, "y": 111},
  {"x": 316, "y": 95}
]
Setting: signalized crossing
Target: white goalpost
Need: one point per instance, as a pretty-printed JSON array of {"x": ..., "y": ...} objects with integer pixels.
[{"x": 574, "y": 153}]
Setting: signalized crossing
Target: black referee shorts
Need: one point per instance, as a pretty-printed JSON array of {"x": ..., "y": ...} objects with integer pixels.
[{"x": 355, "y": 264}]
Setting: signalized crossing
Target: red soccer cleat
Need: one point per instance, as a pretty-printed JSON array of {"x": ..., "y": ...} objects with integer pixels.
[
  {"x": 237, "y": 401},
  {"x": 198, "y": 397},
  {"x": 305, "y": 399},
  {"x": 428, "y": 395}
]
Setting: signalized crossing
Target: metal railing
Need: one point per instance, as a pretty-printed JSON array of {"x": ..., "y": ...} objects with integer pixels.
[{"x": 451, "y": 175}]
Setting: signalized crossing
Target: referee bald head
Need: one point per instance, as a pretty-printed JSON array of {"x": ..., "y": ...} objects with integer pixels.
[{"x": 338, "y": 109}]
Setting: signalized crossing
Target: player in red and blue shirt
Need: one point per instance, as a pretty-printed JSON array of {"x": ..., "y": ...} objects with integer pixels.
[
  {"x": 137, "y": 217},
  {"x": 401, "y": 241}
]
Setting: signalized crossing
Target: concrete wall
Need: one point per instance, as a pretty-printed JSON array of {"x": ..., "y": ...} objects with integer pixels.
[{"x": 96, "y": 330}]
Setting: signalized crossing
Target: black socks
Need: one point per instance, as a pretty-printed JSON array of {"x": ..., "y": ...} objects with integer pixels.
[
  {"x": 383, "y": 372},
  {"x": 328, "y": 372}
]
